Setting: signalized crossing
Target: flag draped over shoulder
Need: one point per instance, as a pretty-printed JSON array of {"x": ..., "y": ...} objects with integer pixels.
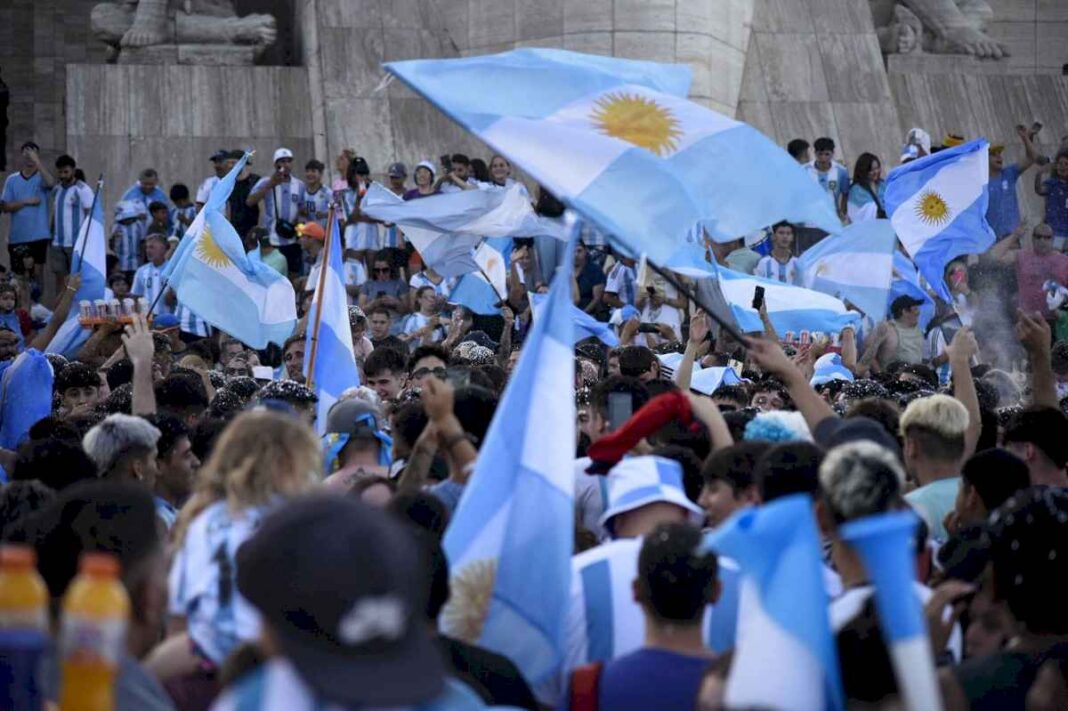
[
  {"x": 617, "y": 140},
  {"x": 90, "y": 261},
  {"x": 783, "y": 614},
  {"x": 937, "y": 205},
  {"x": 333, "y": 369},
  {"x": 25, "y": 396},
  {"x": 509, "y": 544},
  {"x": 215, "y": 279},
  {"x": 855, "y": 265}
]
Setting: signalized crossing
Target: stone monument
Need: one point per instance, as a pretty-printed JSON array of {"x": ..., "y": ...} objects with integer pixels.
[
  {"x": 181, "y": 32},
  {"x": 936, "y": 27}
]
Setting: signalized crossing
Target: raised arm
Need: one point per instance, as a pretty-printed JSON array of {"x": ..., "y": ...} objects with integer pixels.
[
  {"x": 139, "y": 349},
  {"x": 697, "y": 342},
  {"x": 1034, "y": 335},
  {"x": 771, "y": 359},
  {"x": 59, "y": 316},
  {"x": 1030, "y": 156},
  {"x": 960, "y": 352}
]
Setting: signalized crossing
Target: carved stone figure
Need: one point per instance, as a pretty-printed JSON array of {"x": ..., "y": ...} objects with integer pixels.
[
  {"x": 936, "y": 26},
  {"x": 129, "y": 24}
]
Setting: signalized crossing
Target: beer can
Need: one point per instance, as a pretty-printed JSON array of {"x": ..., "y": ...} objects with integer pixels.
[
  {"x": 788, "y": 337},
  {"x": 85, "y": 309},
  {"x": 128, "y": 307},
  {"x": 806, "y": 338}
]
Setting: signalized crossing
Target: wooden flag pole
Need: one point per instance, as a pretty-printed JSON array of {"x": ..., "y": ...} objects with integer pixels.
[{"x": 317, "y": 299}]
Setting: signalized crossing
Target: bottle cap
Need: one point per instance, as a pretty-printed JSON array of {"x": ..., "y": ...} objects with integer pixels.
[
  {"x": 17, "y": 556},
  {"x": 99, "y": 564}
]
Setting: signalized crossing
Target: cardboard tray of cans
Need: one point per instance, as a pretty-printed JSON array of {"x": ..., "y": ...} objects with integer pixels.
[{"x": 94, "y": 313}]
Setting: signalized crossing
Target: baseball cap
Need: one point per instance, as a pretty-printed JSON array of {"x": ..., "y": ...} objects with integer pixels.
[
  {"x": 640, "y": 481},
  {"x": 221, "y": 154},
  {"x": 397, "y": 170},
  {"x": 351, "y": 416},
  {"x": 165, "y": 322},
  {"x": 360, "y": 167},
  {"x": 282, "y": 153},
  {"x": 311, "y": 229},
  {"x": 952, "y": 139},
  {"x": 365, "y": 643},
  {"x": 903, "y": 302},
  {"x": 829, "y": 367}
]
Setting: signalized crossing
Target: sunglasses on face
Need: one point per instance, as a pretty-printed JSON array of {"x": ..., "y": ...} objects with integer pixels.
[
  {"x": 438, "y": 373},
  {"x": 381, "y": 270},
  {"x": 1042, "y": 236}
]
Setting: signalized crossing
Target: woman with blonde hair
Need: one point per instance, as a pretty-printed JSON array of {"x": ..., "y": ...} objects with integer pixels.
[{"x": 261, "y": 459}]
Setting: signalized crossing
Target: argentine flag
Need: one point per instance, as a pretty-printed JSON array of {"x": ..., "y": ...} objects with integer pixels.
[
  {"x": 509, "y": 544},
  {"x": 586, "y": 326},
  {"x": 90, "y": 260},
  {"x": 886, "y": 546},
  {"x": 790, "y": 308},
  {"x": 329, "y": 334},
  {"x": 855, "y": 265},
  {"x": 783, "y": 610},
  {"x": 937, "y": 205},
  {"x": 216, "y": 280},
  {"x": 617, "y": 140}
]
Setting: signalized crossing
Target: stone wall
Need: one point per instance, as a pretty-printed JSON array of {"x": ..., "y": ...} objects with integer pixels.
[{"x": 115, "y": 129}]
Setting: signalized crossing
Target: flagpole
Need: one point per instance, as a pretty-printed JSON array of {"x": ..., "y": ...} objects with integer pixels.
[
  {"x": 692, "y": 295},
  {"x": 318, "y": 297},
  {"x": 88, "y": 223}
]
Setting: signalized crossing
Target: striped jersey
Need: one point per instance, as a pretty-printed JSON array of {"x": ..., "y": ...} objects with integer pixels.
[
  {"x": 126, "y": 243},
  {"x": 148, "y": 282},
  {"x": 290, "y": 199},
  {"x": 203, "y": 580},
  {"x": 317, "y": 204},
  {"x": 70, "y": 203},
  {"x": 189, "y": 322},
  {"x": 188, "y": 212}
]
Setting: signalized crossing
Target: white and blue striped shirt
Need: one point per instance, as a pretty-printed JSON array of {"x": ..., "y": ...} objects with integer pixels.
[
  {"x": 771, "y": 268},
  {"x": 71, "y": 204},
  {"x": 203, "y": 580},
  {"x": 318, "y": 203},
  {"x": 189, "y": 322},
  {"x": 148, "y": 282},
  {"x": 622, "y": 281},
  {"x": 136, "y": 195},
  {"x": 291, "y": 198},
  {"x": 126, "y": 243},
  {"x": 189, "y": 212}
]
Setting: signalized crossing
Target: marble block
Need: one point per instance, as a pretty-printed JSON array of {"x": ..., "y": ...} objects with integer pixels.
[{"x": 207, "y": 54}]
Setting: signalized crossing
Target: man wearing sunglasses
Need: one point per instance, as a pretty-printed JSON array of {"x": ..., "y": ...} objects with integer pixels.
[
  {"x": 426, "y": 362},
  {"x": 1034, "y": 267}
]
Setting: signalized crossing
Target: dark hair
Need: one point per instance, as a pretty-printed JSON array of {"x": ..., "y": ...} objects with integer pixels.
[
  {"x": 675, "y": 581},
  {"x": 788, "y": 468},
  {"x": 382, "y": 359},
  {"x": 378, "y": 310},
  {"x": 784, "y": 223},
  {"x": 179, "y": 192},
  {"x": 205, "y": 433},
  {"x": 460, "y": 158},
  {"x": 314, "y": 164},
  {"x": 56, "y": 463},
  {"x": 243, "y": 387},
  {"x": 421, "y": 509},
  {"x": 635, "y": 361},
  {"x": 883, "y": 411},
  {"x": 119, "y": 373},
  {"x": 995, "y": 474},
  {"x": 409, "y": 421},
  {"x": 734, "y": 393},
  {"x": 119, "y": 400},
  {"x": 474, "y": 407},
  {"x": 118, "y": 276},
  {"x": 495, "y": 374},
  {"x": 18, "y": 500},
  {"x": 171, "y": 430},
  {"x": 863, "y": 166},
  {"x": 148, "y": 173},
  {"x": 76, "y": 375},
  {"x": 1044, "y": 427},
  {"x": 426, "y": 351},
  {"x": 66, "y": 161},
  {"x": 797, "y": 147},
  {"x": 867, "y": 673},
  {"x": 734, "y": 465},
  {"x": 480, "y": 171},
  {"x": 823, "y": 144},
  {"x": 179, "y": 391},
  {"x": 296, "y": 337},
  {"x": 691, "y": 467},
  {"x": 110, "y": 517},
  {"x": 548, "y": 205},
  {"x": 157, "y": 205},
  {"x": 639, "y": 394}
]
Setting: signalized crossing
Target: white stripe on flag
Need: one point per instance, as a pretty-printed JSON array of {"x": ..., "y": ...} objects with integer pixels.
[
  {"x": 865, "y": 269},
  {"x": 959, "y": 184}
]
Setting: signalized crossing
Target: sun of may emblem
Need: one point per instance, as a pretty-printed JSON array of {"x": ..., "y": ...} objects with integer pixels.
[
  {"x": 932, "y": 209},
  {"x": 209, "y": 251},
  {"x": 472, "y": 589},
  {"x": 638, "y": 120}
]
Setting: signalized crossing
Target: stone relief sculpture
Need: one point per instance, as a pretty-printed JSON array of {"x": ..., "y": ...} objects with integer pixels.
[
  {"x": 132, "y": 24},
  {"x": 936, "y": 26}
]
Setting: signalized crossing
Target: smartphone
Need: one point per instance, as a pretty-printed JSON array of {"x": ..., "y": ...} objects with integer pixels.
[
  {"x": 619, "y": 409},
  {"x": 446, "y": 162},
  {"x": 758, "y": 298},
  {"x": 648, "y": 328},
  {"x": 458, "y": 377}
]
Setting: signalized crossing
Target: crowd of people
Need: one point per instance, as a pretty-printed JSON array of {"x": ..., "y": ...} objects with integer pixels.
[{"x": 276, "y": 561}]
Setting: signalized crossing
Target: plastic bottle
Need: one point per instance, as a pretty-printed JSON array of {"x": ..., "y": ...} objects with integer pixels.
[
  {"x": 96, "y": 610},
  {"x": 23, "y": 628}
]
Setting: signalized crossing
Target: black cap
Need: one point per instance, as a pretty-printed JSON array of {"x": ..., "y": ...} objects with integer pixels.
[
  {"x": 360, "y": 167},
  {"x": 901, "y": 303},
  {"x": 349, "y": 613},
  {"x": 221, "y": 154}
]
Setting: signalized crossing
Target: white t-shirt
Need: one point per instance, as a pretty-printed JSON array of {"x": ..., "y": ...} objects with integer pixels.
[{"x": 204, "y": 191}]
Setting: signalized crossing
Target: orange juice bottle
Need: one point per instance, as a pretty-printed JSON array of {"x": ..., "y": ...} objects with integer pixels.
[
  {"x": 23, "y": 628},
  {"x": 96, "y": 609}
]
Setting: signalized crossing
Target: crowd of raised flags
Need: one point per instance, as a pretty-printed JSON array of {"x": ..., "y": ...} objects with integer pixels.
[{"x": 545, "y": 477}]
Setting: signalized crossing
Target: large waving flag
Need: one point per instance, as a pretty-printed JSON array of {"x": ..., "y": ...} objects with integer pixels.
[
  {"x": 937, "y": 205},
  {"x": 25, "y": 396},
  {"x": 585, "y": 325},
  {"x": 510, "y": 543},
  {"x": 855, "y": 265},
  {"x": 90, "y": 260},
  {"x": 617, "y": 140},
  {"x": 329, "y": 361},
  {"x": 783, "y": 610},
  {"x": 791, "y": 308},
  {"x": 886, "y": 546},
  {"x": 446, "y": 228},
  {"x": 216, "y": 280}
]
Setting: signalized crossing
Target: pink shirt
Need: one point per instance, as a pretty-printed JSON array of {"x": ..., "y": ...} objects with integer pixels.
[{"x": 1032, "y": 271}]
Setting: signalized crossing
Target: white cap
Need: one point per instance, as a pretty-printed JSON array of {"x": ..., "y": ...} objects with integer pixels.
[
  {"x": 426, "y": 164},
  {"x": 282, "y": 153},
  {"x": 640, "y": 481}
]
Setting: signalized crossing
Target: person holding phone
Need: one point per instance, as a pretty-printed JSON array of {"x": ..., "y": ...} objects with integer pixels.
[
  {"x": 25, "y": 198},
  {"x": 284, "y": 204}
]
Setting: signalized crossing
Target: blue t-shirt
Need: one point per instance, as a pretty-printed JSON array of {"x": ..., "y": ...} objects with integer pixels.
[
  {"x": 1003, "y": 210},
  {"x": 137, "y": 195},
  {"x": 652, "y": 679},
  {"x": 29, "y": 223},
  {"x": 1057, "y": 206}
]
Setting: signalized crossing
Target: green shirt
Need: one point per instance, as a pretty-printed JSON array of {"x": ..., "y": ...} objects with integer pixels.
[{"x": 276, "y": 261}]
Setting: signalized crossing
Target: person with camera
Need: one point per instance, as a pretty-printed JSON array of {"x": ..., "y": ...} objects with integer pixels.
[{"x": 284, "y": 201}]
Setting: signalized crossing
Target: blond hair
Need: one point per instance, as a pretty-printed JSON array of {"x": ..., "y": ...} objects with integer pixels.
[
  {"x": 940, "y": 422},
  {"x": 260, "y": 455}
]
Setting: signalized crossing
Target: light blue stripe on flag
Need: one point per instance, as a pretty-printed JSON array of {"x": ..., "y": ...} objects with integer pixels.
[
  {"x": 790, "y": 308},
  {"x": 25, "y": 396},
  {"x": 71, "y": 336},
  {"x": 585, "y": 325},
  {"x": 855, "y": 265},
  {"x": 597, "y": 600},
  {"x": 617, "y": 140}
]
